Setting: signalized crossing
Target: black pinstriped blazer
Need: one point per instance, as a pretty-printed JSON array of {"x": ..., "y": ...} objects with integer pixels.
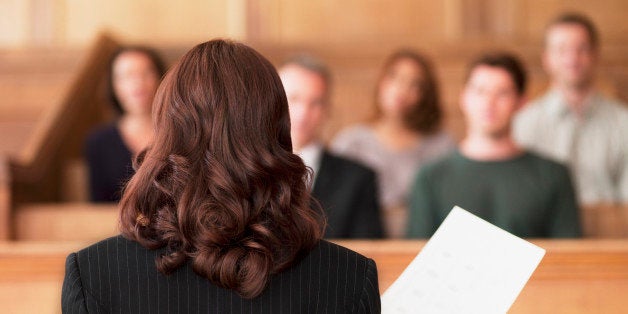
[{"x": 119, "y": 276}]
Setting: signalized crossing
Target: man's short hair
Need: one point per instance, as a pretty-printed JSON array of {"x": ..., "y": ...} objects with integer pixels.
[
  {"x": 577, "y": 19},
  {"x": 311, "y": 64},
  {"x": 506, "y": 61}
]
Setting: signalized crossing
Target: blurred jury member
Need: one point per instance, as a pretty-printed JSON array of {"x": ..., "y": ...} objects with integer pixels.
[
  {"x": 404, "y": 135},
  {"x": 490, "y": 175},
  {"x": 573, "y": 123},
  {"x": 134, "y": 74},
  {"x": 345, "y": 189},
  {"x": 218, "y": 216}
]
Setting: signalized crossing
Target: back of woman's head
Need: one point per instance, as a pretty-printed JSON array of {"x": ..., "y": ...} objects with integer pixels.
[
  {"x": 426, "y": 114},
  {"x": 220, "y": 186}
]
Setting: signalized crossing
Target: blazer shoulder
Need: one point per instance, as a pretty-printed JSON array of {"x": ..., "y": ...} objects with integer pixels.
[
  {"x": 325, "y": 245},
  {"x": 364, "y": 271},
  {"x": 107, "y": 244},
  {"x": 98, "y": 256},
  {"x": 328, "y": 251},
  {"x": 77, "y": 294}
]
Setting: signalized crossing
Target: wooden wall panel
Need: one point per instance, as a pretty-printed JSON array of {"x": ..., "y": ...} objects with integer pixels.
[
  {"x": 324, "y": 22},
  {"x": 608, "y": 15},
  {"x": 379, "y": 21},
  {"x": 65, "y": 222},
  {"x": 330, "y": 21},
  {"x": 146, "y": 20}
]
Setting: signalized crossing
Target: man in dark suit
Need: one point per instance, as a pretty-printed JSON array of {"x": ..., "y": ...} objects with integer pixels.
[{"x": 346, "y": 190}]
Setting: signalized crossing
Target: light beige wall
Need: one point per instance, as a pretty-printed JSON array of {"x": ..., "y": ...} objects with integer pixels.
[
  {"x": 14, "y": 22},
  {"x": 165, "y": 21}
]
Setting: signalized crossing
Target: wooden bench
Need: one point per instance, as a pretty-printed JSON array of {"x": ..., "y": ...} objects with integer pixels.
[
  {"x": 576, "y": 276},
  {"x": 88, "y": 221},
  {"x": 31, "y": 275},
  {"x": 605, "y": 221},
  {"x": 65, "y": 222}
]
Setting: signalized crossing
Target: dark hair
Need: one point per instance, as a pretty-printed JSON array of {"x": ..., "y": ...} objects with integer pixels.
[
  {"x": 220, "y": 185},
  {"x": 506, "y": 61},
  {"x": 426, "y": 115},
  {"x": 577, "y": 19},
  {"x": 157, "y": 61},
  {"x": 311, "y": 64}
]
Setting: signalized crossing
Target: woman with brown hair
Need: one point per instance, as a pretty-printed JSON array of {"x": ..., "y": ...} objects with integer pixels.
[
  {"x": 217, "y": 217},
  {"x": 134, "y": 74},
  {"x": 404, "y": 135}
]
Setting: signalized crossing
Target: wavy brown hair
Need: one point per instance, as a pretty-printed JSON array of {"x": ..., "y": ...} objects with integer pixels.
[
  {"x": 426, "y": 115},
  {"x": 220, "y": 186}
]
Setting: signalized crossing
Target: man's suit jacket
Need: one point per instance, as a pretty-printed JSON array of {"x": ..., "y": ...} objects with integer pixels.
[
  {"x": 119, "y": 276},
  {"x": 347, "y": 192}
]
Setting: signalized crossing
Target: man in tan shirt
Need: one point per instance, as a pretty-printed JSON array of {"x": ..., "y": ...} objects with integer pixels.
[{"x": 573, "y": 123}]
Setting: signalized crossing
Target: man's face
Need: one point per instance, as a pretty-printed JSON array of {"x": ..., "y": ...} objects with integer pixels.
[
  {"x": 569, "y": 57},
  {"x": 307, "y": 101},
  {"x": 489, "y": 101}
]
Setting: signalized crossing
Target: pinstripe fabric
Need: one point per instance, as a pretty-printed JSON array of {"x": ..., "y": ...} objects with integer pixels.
[{"x": 119, "y": 276}]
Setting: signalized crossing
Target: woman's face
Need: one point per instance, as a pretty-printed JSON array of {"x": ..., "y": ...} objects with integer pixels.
[
  {"x": 400, "y": 88},
  {"x": 135, "y": 80}
]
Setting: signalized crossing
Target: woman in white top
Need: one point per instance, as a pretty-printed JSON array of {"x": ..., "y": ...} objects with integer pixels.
[{"x": 404, "y": 135}]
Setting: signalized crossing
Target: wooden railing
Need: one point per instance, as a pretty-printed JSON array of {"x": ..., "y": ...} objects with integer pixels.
[
  {"x": 86, "y": 221},
  {"x": 45, "y": 142},
  {"x": 31, "y": 275},
  {"x": 605, "y": 221},
  {"x": 65, "y": 222},
  {"x": 575, "y": 276}
]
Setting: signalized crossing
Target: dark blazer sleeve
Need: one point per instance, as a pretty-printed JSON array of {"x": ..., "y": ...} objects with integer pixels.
[
  {"x": 370, "y": 302},
  {"x": 348, "y": 192},
  {"x": 368, "y": 222},
  {"x": 74, "y": 298}
]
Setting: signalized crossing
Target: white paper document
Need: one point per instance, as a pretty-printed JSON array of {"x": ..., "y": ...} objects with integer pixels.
[{"x": 468, "y": 266}]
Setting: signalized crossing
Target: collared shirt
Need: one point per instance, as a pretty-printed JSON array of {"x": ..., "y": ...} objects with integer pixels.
[
  {"x": 593, "y": 144},
  {"x": 311, "y": 155}
]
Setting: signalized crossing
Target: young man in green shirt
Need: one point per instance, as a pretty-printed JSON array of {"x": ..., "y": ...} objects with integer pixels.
[{"x": 490, "y": 175}]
